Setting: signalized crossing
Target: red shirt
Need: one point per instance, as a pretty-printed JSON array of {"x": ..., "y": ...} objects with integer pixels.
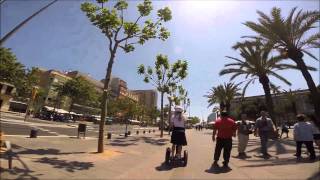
[{"x": 226, "y": 127}]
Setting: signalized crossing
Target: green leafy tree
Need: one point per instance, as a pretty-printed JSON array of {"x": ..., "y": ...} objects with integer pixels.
[
  {"x": 194, "y": 120},
  {"x": 124, "y": 34},
  {"x": 162, "y": 76},
  {"x": 293, "y": 36},
  {"x": 78, "y": 90},
  {"x": 223, "y": 94},
  {"x": 11, "y": 71},
  {"x": 256, "y": 63}
]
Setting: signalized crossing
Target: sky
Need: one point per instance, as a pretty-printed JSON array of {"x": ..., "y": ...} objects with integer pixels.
[{"x": 202, "y": 33}]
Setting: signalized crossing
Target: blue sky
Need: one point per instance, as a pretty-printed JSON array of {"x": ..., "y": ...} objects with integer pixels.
[{"x": 202, "y": 32}]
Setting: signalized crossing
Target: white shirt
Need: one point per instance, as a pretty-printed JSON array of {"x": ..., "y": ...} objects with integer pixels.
[
  {"x": 178, "y": 122},
  {"x": 303, "y": 131}
]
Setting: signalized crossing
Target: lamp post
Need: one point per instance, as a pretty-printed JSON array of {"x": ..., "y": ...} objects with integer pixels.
[{"x": 30, "y": 101}]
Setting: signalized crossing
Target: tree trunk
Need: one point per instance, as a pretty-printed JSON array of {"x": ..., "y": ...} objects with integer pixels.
[
  {"x": 161, "y": 116},
  {"x": 228, "y": 107},
  {"x": 315, "y": 94},
  {"x": 2, "y": 40},
  {"x": 169, "y": 118},
  {"x": 264, "y": 80},
  {"x": 104, "y": 102}
]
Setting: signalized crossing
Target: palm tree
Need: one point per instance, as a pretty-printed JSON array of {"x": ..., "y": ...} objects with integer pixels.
[
  {"x": 223, "y": 94},
  {"x": 292, "y": 36},
  {"x": 257, "y": 64}
]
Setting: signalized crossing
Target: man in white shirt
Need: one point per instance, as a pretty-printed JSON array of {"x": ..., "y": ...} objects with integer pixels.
[{"x": 303, "y": 134}]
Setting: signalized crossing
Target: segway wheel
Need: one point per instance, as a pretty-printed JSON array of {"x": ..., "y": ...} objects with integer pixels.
[
  {"x": 167, "y": 158},
  {"x": 185, "y": 158}
]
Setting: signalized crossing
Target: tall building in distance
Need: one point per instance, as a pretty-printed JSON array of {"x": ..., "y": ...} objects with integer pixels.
[
  {"x": 118, "y": 89},
  {"x": 148, "y": 98}
]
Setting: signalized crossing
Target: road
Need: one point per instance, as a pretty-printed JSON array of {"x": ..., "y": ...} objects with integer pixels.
[
  {"x": 14, "y": 125},
  {"x": 142, "y": 156}
]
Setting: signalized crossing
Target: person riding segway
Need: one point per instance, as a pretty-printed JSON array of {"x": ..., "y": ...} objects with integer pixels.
[{"x": 178, "y": 138}]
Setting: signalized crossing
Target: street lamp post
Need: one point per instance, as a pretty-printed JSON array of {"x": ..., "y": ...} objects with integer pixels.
[{"x": 30, "y": 101}]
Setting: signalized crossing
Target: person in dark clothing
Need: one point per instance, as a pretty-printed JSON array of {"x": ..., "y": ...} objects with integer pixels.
[
  {"x": 226, "y": 128},
  {"x": 284, "y": 129}
]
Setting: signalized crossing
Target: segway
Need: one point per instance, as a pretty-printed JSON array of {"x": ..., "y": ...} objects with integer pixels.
[{"x": 170, "y": 160}]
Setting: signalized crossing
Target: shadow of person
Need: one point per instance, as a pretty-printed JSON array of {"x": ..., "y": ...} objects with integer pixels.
[
  {"x": 163, "y": 167},
  {"x": 216, "y": 169}
]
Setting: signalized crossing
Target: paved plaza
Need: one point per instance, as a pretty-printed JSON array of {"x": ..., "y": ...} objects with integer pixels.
[{"x": 142, "y": 156}]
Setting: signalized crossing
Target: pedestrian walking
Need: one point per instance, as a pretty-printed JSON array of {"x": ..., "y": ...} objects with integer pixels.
[
  {"x": 178, "y": 136},
  {"x": 316, "y": 131},
  {"x": 284, "y": 129},
  {"x": 264, "y": 128},
  {"x": 226, "y": 128},
  {"x": 303, "y": 134},
  {"x": 244, "y": 130}
]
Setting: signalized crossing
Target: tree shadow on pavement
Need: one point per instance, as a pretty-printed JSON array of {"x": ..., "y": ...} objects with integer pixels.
[
  {"x": 315, "y": 176},
  {"x": 48, "y": 151},
  {"x": 70, "y": 166},
  {"x": 278, "y": 162},
  {"x": 216, "y": 169},
  {"x": 159, "y": 142},
  {"x": 123, "y": 141},
  {"x": 280, "y": 148},
  {"x": 19, "y": 173}
]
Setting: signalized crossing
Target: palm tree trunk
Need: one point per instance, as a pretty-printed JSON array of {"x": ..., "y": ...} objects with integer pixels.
[
  {"x": 264, "y": 80},
  {"x": 228, "y": 107},
  {"x": 2, "y": 40},
  {"x": 315, "y": 94},
  {"x": 104, "y": 101}
]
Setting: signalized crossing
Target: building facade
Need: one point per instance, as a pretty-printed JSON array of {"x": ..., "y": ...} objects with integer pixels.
[
  {"x": 98, "y": 86},
  {"x": 285, "y": 106},
  {"x": 148, "y": 98}
]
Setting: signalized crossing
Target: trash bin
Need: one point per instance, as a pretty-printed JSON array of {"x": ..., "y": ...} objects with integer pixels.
[
  {"x": 109, "y": 136},
  {"x": 126, "y": 134},
  {"x": 33, "y": 133},
  {"x": 129, "y": 133},
  {"x": 82, "y": 129},
  {"x": 137, "y": 132}
]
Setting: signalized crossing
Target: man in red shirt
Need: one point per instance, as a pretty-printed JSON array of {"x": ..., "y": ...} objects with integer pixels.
[{"x": 226, "y": 128}]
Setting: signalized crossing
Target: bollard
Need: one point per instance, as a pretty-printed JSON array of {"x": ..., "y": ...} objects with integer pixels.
[
  {"x": 126, "y": 134},
  {"x": 154, "y": 130},
  {"x": 144, "y": 131},
  {"x": 129, "y": 133},
  {"x": 33, "y": 133},
  {"x": 109, "y": 136},
  {"x": 149, "y": 131},
  {"x": 137, "y": 132}
]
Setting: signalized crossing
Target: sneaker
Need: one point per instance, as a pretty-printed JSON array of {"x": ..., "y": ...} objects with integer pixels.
[{"x": 225, "y": 165}]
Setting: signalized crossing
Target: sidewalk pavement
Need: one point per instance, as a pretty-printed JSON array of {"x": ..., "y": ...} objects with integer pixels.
[{"x": 141, "y": 157}]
